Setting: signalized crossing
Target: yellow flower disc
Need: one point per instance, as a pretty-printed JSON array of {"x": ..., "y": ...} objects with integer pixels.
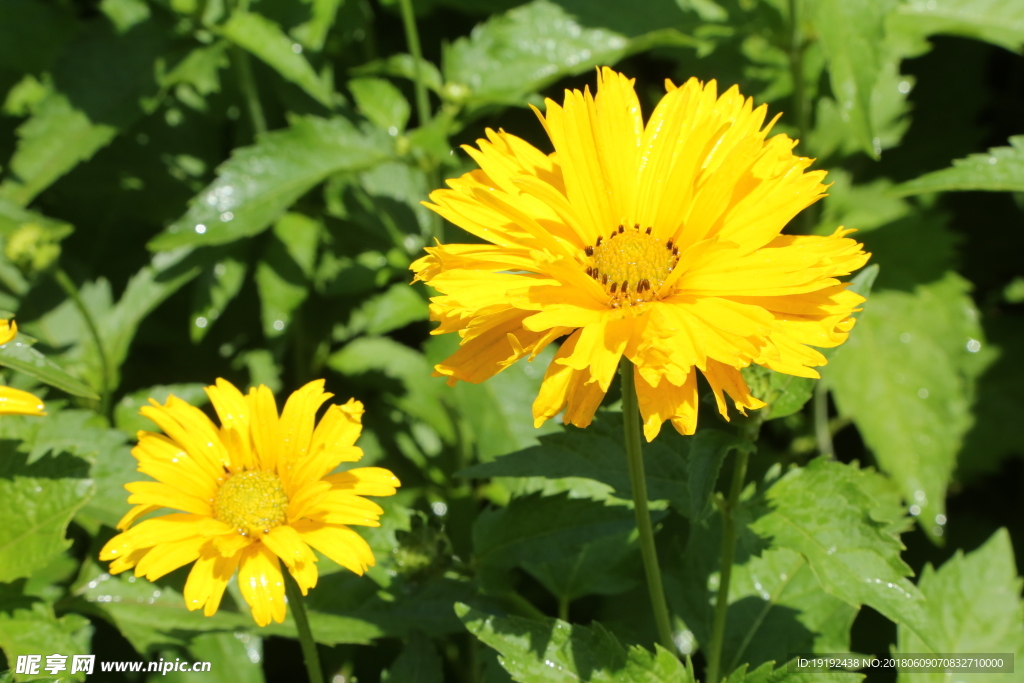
[{"x": 251, "y": 502}]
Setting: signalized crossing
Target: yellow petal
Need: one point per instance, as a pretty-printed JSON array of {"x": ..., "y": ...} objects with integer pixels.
[
  {"x": 208, "y": 579},
  {"x": 18, "y": 402},
  {"x": 337, "y": 543},
  {"x": 667, "y": 402},
  {"x": 261, "y": 584}
]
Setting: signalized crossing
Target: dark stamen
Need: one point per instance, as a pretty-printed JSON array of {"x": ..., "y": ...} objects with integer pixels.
[
  {"x": 590, "y": 271},
  {"x": 675, "y": 251},
  {"x": 668, "y": 245},
  {"x": 625, "y": 286},
  {"x": 614, "y": 285},
  {"x": 604, "y": 279},
  {"x": 648, "y": 231},
  {"x": 621, "y": 230},
  {"x": 598, "y": 240},
  {"x": 590, "y": 251},
  {"x": 636, "y": 226}
]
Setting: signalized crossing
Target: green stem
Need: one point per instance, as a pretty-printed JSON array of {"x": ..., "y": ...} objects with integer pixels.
[
  {"x": 412, "y": 37},
  {"x": 309, "y": 651},
  {"x": 822, "y": 428},
  {"x": 107, "y": 383},
  {"x": 248, "y": 85},
  {"x": 635, "y": 458},
  {"x": 796, "y": 68},
  {"x": 739, "y": 474}
]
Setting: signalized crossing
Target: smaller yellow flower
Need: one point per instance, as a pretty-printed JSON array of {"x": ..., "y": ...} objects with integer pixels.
[
  {"x": 254, "y": 491},
  {"x": 16, "y": 401}
]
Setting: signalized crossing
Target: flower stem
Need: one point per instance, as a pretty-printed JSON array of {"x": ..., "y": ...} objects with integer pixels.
[
  {"x": 106, "y": 381},
  {"x": 635, "y": 458},
  {"x": 412, "y": 37},
  {"x": 248, "y": 84},
  {"x": 739, "y": 474},
  {"x": 309, "y": 652}
]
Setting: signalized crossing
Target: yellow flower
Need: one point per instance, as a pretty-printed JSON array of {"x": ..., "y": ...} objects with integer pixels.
[
  {"x": 253, "y": 491},
  {"x": 659, "y": 242},
  {"x": 16, "y": 401}
]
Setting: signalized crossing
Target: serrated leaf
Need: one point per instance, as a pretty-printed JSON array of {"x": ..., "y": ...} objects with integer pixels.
[
  {"x": 597, "y": 453},
  {"x": 381, "y": 102},
  {"x": 552, "y": 651},
  {"x": 19, "y": 356},
  {"x": 851, "y": 34},
  {"x": 39, "y": 502},
  {"x": 283, "y": 274},
  {"x": 418, "y": 663},
  {"x": 265, "y": 39},
  {"x": 974, "y": 606},
  {"x": 784, "y": 394},
  {"x": 1001, "y": 170},
  {"x": 390, "y": 310},
  {"x": 1000, "y": 22},
  {"x": 905, "y": 377},
  {"x": 260, "y": 182},
  {"x": 853, "y": 555},
  {"x": 29, "y": 627}
]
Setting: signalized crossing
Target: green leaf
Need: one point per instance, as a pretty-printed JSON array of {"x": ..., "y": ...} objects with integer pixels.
[
  {"x": 283, "y": 274},
  {"x": 402, "y": 65},
  {"x": 381, "y": 102},
  {"x": 390, "y": 310},
  {"x": 597, "y": 453},
  {"x": 19, "y": 356},
  {"x": 13, "y": 218},
  {"x": 29, "y": 627},
  {"x": 233, "y": 657},
  {"x": 100, "y": 83},
  {"x": 218, "y": 284},
  {"x": 974, "y": 606},
  {"x": 418, "y": 663},
  {"x": 851, "y": 33},
  {"x": 854, "y": 556},
  {"x": 39, "y": 502},
  {"x": 767, "y": 673},
  {"x": 708, "y": 448},
  {"x": 1000, "y": 22},
  {"x": 1001, "y": 170},
  {"x": 152, "y": 616},
  {"x": 260, "y": 182},
  {"x": 495, "y": 412},
  {"x": 265, "y": 39},
  {"x": 56, "y": 139},
  {"x": 784, "y": 394},
  {"x": 313, "y": 33},
  {"x": 512, "y": 55},
  {"x": 905, "y": 376},
  {"x": 552, "y": 651}
]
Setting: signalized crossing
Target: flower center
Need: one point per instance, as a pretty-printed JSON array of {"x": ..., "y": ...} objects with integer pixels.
[
  {"x": 251, "y": 502},
  {"x": 631, "y": 265}
]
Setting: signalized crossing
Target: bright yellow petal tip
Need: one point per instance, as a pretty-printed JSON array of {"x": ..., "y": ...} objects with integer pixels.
[
  {"x": 659, "y": 241},
  {"x": 252, "y": 493}
]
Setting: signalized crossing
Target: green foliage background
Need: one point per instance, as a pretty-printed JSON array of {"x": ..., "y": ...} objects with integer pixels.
[{"x": 231, "y": 189}]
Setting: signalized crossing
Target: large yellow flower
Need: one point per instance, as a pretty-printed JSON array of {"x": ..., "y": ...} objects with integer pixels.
[
  {"x": 657, "y": 241},
  {"x": 250, "y": 492},
  {"x": 16, "y": 401}
]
